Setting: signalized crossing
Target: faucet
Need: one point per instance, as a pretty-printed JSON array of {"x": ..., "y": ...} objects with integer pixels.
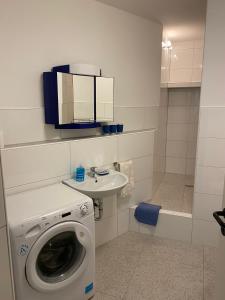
[
  {"x": 116, "y": 166},
  {"x": 92, "y": 173}
]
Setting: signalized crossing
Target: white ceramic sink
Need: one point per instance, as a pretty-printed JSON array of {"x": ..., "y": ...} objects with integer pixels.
[{"x": 102, "y": 187}]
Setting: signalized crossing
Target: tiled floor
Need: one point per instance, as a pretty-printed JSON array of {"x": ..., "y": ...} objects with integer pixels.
[
  {"x": 175, "y": 193},
  {"x": 135, "y": 266}
]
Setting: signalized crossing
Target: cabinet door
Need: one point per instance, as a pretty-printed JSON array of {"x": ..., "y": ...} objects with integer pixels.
[
  {"x": 5, "y": 278},
  {"x": 104, "y": 99},
  {"x": 83, "y": 93},
  {"x": 2, "y": 206}
]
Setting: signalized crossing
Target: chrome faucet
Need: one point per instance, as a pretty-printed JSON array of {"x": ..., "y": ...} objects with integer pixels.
[
  {"x": 116, "y": 166},
  {"x": 92, "y": 173}
]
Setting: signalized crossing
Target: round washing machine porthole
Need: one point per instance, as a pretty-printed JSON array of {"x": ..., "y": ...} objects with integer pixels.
[{"x": 58, "y": 257}]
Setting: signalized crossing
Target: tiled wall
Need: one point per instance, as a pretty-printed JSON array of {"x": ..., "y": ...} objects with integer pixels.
[
  {"x": 165, "y": 66},
  {"x": 186, "y": 61},
  {"x": 161, "y": 132},
  {"x": 182, "y": 129},
  {"x": 32, "y": 166},
  {"x": 211, "y": 138},
  {"x": 2, "y": 201},
  {"x": 160, "y": 140},
  {"x": 5, "y": 276},
  {"x": 82, "y": 31}
]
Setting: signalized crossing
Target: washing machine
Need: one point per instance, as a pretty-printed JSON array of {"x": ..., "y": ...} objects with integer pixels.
[{"x": 52, "y": 242}]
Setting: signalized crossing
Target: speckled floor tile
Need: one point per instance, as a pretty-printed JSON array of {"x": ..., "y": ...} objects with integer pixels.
[
  {"x": 210, "y": 258},
  {"x": 100, "y": 296},
  {"x": 139, "y": 267},
  {"x": 115, "y": 264},
  {"x": 209, "y": 285},
  {"x": 173, "y": 251}
]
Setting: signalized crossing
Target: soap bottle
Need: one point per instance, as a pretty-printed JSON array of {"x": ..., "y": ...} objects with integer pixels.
[{"x": 80, "y": 174}]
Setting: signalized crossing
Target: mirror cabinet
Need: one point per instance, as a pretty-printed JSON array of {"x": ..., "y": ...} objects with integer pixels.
[{"x": 72, "y": 100}]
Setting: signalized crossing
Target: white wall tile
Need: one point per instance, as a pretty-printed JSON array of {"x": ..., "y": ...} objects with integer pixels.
[
  {"x": 182, "y": 130},
  {"x": 199, "y": 44},
  {"x": 93, "y": 152},
  {"x": 131, "y": 117},
  {"x": 178, "y": 132},
  {"x": 133, "y": 223},
  {"x": 195, "y": 97},
  {"x": 181, "y": 58},
  {"x": 36, "y": 185},
  {"x": 142, "y": 191},
  {"x": 211, "y": 152},
  {"x": 194, "y": 114},
  {"x": 178, "y": 114},
  {"x": 180, "y": 75},
  {"x": 105, "y": 230},
  {"x": 109, "y": 207},
  {"x": 198, "y": 58},
  {"x": 184, "y": 44},
  {"x": 212, "y": 122},
  {"x": 25, "y": 125},
  {"x": 5, "y": 276},
  {"x": 143, "y": 168},
  {"x": 190, "y": 166},
  {"x": 175, "y": 165},
  {"x": 2, "y": 200},
  {"x": 35, "y": 163},
  {"x": 205, "y": 205},
  {"x": 123, "y": 221},
  {"x": 196, "y": 75},
  {"x": 79, "y": 133},
  {"x": 137, "y": 118},
  {"x": 134, "y": 145},
  {"x": 205, "y": 233},
  {"x": 180, "y": 97},
  {"x": 192, "y": 132},
  {"x": 176, "y": 149},
  {"x": 124, "y": 203},
  {"x": 209, "y": 180},
  {"x": 151, "y": 116},
  {"x": 191, "y": 149}
]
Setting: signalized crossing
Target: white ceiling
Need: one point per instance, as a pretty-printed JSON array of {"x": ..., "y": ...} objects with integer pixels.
[{"x": 182, "y": 19}]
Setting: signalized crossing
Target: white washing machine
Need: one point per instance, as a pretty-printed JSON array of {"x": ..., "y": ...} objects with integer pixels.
[{"x": 52, "y": 237}]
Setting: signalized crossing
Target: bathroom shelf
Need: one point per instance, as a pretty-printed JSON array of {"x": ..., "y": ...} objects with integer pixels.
[
  {"x": 184, "y": 84},
  {"x": 78, "y": 125}
]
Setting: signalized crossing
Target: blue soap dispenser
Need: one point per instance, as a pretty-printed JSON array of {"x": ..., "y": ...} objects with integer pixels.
[{"x": 79, "y": 174}]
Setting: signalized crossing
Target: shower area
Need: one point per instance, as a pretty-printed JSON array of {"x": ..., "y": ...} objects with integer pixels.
[{"x": 176, "y": 137}]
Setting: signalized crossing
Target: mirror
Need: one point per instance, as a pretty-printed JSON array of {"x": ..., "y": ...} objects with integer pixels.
[
  {"x": 71, "y": 98},
  {"x": 75, "y": 98},
  {"x": 83, "y": 95},
  {"x": 65, "y": 98},
  {"x": 104, "y": 99}
]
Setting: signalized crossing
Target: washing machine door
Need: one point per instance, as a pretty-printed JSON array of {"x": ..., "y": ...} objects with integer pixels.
[{"x": 58, "y": 257}]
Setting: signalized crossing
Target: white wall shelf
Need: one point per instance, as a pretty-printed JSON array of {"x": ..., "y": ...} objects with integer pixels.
[{"x": 184, "y": 84}]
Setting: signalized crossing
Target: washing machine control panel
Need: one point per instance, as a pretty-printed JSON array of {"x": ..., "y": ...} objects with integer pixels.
[
  {"x": 84, "y": 209},
  {"x": 32, "y": 228}
]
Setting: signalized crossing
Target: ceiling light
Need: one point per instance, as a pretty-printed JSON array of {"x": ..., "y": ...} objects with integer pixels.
[{"x": 167, "y": 44}]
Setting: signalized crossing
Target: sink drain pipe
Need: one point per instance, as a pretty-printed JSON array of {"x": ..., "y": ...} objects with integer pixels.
[{"x": 98, "y": 208}]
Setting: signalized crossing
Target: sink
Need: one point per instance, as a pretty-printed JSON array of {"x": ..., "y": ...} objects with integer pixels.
[{"x": 104, "y": 186}]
